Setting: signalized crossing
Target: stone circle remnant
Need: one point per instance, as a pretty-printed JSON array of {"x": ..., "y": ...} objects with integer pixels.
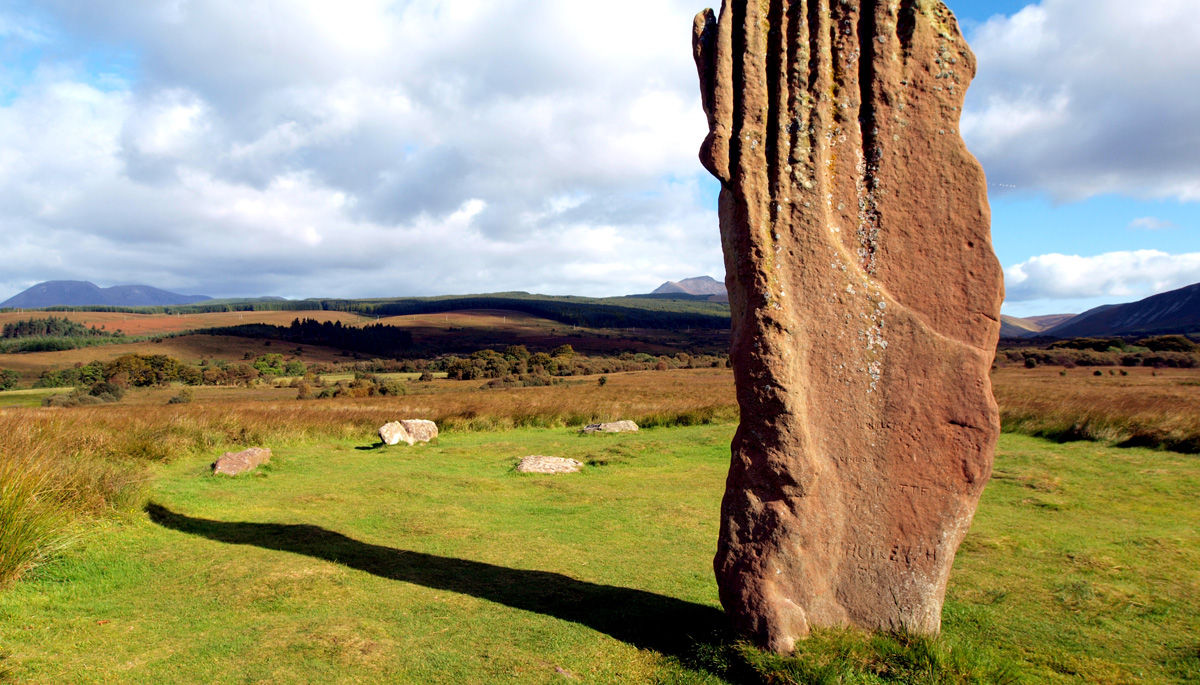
[
  {"x": 234, "y": 463},
  {"x": 611, "y": 427},
  {"x": 538, "y": 463},
  {"x": 865, "y": 298},
  {"x": 409, "y": 431}
]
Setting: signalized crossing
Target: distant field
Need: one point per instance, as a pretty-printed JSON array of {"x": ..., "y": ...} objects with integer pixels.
[
  {"x": 459, "y": 331},
  {"x": 162, "y": 324},
  {"x": 28, "y": 398},
  {"x": 190, "y": 349},
  {"x": 1146, "y": 407},
  {"x": 474, "y": 329}
]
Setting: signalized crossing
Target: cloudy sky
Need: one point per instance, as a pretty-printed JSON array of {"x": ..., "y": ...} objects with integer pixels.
[{"x": 357, "y": 148}]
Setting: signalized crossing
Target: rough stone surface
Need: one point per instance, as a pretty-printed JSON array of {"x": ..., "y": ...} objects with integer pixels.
[
  {"x": 543, "y": 464},
  {"x": 408, "y": 431},
  {"x": 865, "y": 298},
  {"x": 613, "y": 427},
  {"x": 233, "y": 463}
]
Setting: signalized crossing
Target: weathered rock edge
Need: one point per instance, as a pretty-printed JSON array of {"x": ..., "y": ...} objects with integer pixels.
[{"x": 865, "y": 298}]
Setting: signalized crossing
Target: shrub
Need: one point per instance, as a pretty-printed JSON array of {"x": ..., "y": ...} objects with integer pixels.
[
  {"x": 184, "y": 397},
  {"x": 106, "y": 389},
  {"x": 9, "y": 379},
  {"x": 1169, "y": 343}
]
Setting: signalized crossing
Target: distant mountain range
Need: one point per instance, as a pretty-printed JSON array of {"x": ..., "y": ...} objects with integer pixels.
[
  {"x": 1177, "y": 311},
  {"x": 83, "y": 293},
  {"x": 700, "y": 286}
]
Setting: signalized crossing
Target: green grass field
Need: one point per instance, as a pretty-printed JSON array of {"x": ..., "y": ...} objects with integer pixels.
[
  {"x": 347, "y": 562},
  {"x": 29, "y": 397}
]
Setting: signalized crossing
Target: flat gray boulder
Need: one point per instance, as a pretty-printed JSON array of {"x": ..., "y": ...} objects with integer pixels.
[
  {"x": 543, "y": 464},
  {"x": 233, "y": 463},
  {"x": 408, "y": 431},
  {"x": 614, "y": 427}
]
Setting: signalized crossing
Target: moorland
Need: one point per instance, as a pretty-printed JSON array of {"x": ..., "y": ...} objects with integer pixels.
[{"x": 123, "y": 559}]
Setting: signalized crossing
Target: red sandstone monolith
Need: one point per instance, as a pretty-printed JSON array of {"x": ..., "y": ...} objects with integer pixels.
[{"x": 866, "y": 300}]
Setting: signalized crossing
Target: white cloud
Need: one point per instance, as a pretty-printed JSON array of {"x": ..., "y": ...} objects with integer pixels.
[
  {"x": 1118, "y": 275},
  {"x": 1084, "y": 97},
  {"x": 1151, "y": 223},
  {"x": 368, "y": 147}
]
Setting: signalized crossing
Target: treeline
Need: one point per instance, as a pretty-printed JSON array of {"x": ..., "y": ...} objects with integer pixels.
[
  {"x": 612, "y": 312},
  {"x": 1164, "y": 351},
  {"x": 515, "y": 366},
  {"x": 52, "y": 327},
  {"x": 130, "y": 370},
  {"x": 52, "y": 334},
  {"x": 376, "y": 339},
  {"x": 142, "y": 371}
]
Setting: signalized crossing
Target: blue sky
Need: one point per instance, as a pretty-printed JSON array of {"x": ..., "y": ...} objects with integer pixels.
[
  {"x": 381, "y": 147},
  {"x": 1036, "y": 218}
]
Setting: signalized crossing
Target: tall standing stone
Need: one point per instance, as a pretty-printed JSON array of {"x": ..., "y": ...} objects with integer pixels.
[{"x": 866, "y": 301}]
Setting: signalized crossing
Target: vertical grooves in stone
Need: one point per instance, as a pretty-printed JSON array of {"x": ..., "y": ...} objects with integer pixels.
[
  {"x": 818, "y": 88},
  {"x": 737, "y": 125},
  {"x": 845, "y": 501},
  {"x": 868, "y": 128},
  {"x": 866, "y": 80},
  {"x": 779, "y": 102},
  {"x": 906, "y": 24}
]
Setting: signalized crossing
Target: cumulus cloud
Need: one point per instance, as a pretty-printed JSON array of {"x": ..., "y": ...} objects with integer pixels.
[
  {"x": 365, "y": 147},
  {"x": 1150, "y": 223},
  {"x": 1121, "y": 276},
  {"x": 1084, "y": 97}
]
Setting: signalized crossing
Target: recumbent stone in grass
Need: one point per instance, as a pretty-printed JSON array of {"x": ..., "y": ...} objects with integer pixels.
[
  {"x": 409, "y": 431},
  {"x": 613, "y": 427},
  {"x": 865, "y": 301},
  {"x": 233, "y": 463},
  {"x": 543, "y": 464}
]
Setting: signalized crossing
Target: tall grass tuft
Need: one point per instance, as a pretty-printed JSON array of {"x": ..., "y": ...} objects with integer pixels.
[
  {"x": 32, "y": 524},
  {"x": 51, "y": 478},
  {"x": 846, "y": 657}
]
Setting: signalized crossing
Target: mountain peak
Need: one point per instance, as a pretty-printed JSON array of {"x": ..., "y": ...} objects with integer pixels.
[
  {"x": 85, "y": 293},
  {"x": 698, "y": 285}
]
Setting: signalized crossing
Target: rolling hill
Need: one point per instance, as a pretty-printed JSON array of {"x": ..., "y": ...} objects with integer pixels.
[
  {"x": 1177, "y": 311},
  {"x": 1031, "y": 326},
  {"x": 83, "y": 294}
]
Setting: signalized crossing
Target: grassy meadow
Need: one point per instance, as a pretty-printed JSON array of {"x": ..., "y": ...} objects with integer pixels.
[
  {"x": 346, "y": 562},
  {"x": 121, "y": 559}
]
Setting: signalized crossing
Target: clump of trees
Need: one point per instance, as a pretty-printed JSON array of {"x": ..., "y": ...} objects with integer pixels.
[
  {"x": 52, "y": 327},
  {"x": 52, "y": 334},
  {"x": 376, "y": 339}
]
